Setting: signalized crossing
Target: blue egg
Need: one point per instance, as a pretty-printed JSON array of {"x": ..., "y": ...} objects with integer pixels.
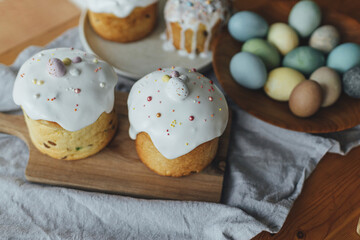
[
  {"x": 248, "y": 70},
  {"x": 305, "y": 17},
  {"x": 245, "y": 25},
  {"x": 344, "y": 57}
]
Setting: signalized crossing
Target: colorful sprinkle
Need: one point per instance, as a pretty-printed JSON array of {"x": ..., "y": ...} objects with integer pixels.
[
  {"x": 165, "y": 78},
  {"x": 191, "y": 118},
  {"x": 77, "y": 90},
  {"x": 159, "y": 69},
  {"x": 211, "y": 82},
  {"x": 75, "y": 72},
  {"x": 211, "y": 99},
  {"x": 76, "y": 59},
  {"x": 158, "y": 115},
  {"x": 149, "y": 98},
  {"x": 175, "y": 74},
  {"x": 193, "y": 69},
  {"x": 66, "y": 61}
]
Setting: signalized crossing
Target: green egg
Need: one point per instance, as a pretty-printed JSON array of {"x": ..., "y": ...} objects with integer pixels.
[
  {"x": 264, "y": 50},
  {"x": 304, "y": 59}
]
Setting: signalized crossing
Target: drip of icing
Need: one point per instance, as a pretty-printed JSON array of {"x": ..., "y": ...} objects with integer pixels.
[
  {"x": 56, "y": 96},
  {"x": 177, "y": 124},
  {"x": 190, "y": 14},
  {"x": 120, "y": 8}
]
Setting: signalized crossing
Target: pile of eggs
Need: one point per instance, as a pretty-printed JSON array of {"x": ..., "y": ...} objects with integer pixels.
[{"x": 272, "y": 59}]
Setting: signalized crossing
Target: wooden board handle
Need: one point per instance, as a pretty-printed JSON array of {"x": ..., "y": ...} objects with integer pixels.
[{"x": 14, "y": 125}]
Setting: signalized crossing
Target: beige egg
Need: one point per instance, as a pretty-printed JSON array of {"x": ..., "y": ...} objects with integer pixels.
[
  {"x": 281, "y": 82},
  {"x": 306, "y": 99},
  {"x": 325, "y": 38},
  {"x": 283, "y": 37},
  {"x": 330, "y": 83}
]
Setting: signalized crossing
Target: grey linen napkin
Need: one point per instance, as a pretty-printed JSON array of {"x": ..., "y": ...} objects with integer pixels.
[{"x": 267, "y": 167}]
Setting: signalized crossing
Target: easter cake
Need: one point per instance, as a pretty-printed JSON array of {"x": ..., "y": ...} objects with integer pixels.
[
  {"x": 191, "y": 25},
  {"x": 176, "y": 117},
  {"x": 123, "y": 20},
  {"x": 67, "y": 97}
]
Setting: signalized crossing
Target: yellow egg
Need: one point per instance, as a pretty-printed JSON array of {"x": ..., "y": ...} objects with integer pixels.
[
  {"x": 281, "y": 81},
  {"x": 283, "y": 37}
]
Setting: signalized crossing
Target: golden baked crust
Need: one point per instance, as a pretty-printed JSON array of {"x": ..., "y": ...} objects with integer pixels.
[
  {"x": 192, "y": 162},
  {"x": 51, "y": 139},
  {"x": 136, "y": 26},
  {"x": 201, "y": 36}
]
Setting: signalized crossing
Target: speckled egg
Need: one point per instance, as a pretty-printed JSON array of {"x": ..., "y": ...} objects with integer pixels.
[
  {"x": 330, "y": 83},
  {"x": 248, "y": 70},
  {"x": 304, "y": 59},
  {"x": 281, "y": 82},
  {"x": 283, "y": 37},
  {"x": 245, "y": 25},
  {"x": 344, "y": 57},
  {"x": 351, "y": 81},
  {"x": 325, "y": 38},
  {"x": 56, "y": 67},
  {"x": 306, "y": 98},
  {"x": 305, "y": 17},
  {"x": 264, "y": 50}
]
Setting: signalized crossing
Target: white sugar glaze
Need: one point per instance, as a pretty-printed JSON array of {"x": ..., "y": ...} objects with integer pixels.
[
  {"x": 167, "y": 118},
  {"x": 74, "y": 100},
  {"x": 120, "y": 8},
  {"x": 190, "y": 14}
]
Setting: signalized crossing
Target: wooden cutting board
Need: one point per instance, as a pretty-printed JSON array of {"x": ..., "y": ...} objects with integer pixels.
[{"x": 117, "y": 168}]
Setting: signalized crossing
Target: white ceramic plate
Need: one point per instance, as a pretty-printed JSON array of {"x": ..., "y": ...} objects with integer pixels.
[{"x": 135, "y": 60}]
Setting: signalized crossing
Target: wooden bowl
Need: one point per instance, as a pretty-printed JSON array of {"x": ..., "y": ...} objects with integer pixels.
[{"x": 344, "y": 114}]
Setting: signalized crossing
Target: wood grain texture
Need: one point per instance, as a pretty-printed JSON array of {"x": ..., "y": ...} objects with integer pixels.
[
  {"x": 117, "y": 168},
  {"x": 329, "y": 205},
  {"x": 257, "y": 103},
  {"x": 27, "y": 22}
]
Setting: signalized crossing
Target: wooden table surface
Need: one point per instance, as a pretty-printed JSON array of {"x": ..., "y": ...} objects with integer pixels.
[{"x": 329, "y": 205}]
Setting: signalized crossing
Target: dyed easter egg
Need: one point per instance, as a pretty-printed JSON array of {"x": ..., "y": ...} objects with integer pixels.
[
  {"x": 305, "y": 99},
  {"x": 176, "y": 89},
  {"x": 283, "y": 37},
  {"x": 56, "y": 67},
  {"x": 248, "y": 70},
  {"x": 264, "y": 50},
  {"x": 330, "y": 83},
  {"x": 245, "y": 25},
  {"x": 351, "y": 81},
  {"x": 344, "y": 57},
  {"x": 325, "y": 38},
  {"x": 281, "y": 82},
  {"x": 305, "y": 17},
  {"x": 304, "y": 59}
]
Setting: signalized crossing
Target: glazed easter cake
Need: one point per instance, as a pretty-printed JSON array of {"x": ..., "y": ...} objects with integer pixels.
[
  {"x": 176, "y": 117},
  {"x": 67, "y": 97},
  {"x": 191, "y": 25},
  {"x": 122, "y": 20}
]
